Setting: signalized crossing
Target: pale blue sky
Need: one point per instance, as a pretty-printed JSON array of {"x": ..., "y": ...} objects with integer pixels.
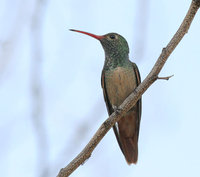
[{"x": 73, "y": 102}]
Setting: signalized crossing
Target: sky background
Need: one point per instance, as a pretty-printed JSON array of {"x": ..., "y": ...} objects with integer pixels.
[{"x": 51, "y": 99}]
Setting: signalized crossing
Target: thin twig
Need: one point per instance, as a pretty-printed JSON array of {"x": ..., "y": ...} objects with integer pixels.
[
  {"x": 165, "y": 78},
  {"x": 133, "y": 98}
]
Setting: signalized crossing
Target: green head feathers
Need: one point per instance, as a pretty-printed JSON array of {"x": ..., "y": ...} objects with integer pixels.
[{"x": 115, "y": 45}]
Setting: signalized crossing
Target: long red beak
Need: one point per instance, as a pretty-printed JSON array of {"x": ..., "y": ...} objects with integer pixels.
[{"x": 89, "y": 34}]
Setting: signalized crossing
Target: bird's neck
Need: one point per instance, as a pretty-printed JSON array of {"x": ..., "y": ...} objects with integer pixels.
[{"x": 112, "y": 62}]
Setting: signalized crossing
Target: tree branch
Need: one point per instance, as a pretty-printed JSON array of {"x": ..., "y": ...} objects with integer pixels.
[{"x": 135, "y": 96}]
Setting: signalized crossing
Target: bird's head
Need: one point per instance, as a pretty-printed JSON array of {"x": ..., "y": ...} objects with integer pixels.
[{"x": 113, "y": 44}]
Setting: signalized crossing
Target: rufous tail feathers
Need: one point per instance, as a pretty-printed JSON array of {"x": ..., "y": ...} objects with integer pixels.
[{"x": 129, "y": 137}]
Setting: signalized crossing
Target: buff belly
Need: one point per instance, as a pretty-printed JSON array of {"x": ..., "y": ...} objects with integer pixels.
[{"x": 120, "y": 82}]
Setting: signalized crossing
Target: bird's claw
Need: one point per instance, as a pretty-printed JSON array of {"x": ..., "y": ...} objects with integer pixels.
[{"x": 116, "y": 109}]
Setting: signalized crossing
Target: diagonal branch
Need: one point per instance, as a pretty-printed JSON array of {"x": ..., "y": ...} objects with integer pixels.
[{"x": 137, "y": 93}]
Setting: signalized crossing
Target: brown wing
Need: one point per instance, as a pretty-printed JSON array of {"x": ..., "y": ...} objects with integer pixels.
[
  {"x": 108, "y": 105},
  {"x": 139, "y": 103},
  {"x": 109, "y": 108}
]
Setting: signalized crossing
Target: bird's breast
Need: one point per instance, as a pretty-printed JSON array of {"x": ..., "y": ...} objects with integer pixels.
[{"x": 119, "y": 83}]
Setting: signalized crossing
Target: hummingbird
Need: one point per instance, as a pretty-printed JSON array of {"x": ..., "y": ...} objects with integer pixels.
[{"x": 119, "y": 78}]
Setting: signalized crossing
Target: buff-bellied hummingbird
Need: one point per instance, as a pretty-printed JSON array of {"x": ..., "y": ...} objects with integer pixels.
[{"x": 119, "y": 78}]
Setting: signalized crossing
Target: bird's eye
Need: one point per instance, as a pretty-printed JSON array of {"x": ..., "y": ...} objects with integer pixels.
[{"x": 112, "y": 36}]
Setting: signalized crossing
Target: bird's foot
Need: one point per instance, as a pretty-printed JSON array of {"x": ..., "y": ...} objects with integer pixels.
[{"x": 116, "y": 109}]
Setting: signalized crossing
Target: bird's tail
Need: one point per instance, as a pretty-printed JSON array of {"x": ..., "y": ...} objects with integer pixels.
[
  {"x": 129, "y": 148},
  {"x": 128, "y": 137}
]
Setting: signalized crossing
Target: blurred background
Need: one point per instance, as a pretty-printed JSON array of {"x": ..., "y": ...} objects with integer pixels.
[{"x": 51, "y": 101}]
